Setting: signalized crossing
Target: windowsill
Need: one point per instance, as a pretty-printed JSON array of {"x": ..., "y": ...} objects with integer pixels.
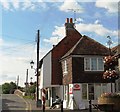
[
  {"x": 94, "y": 70},
  {"x": 65, "y": 73}
]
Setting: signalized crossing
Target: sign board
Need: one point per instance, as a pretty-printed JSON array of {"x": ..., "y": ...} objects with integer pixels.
[
  {"x": 70, "y": 89},
  {"x": 76, "y": 87}
]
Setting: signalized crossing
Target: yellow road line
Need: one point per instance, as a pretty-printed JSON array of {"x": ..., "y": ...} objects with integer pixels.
[{"x": 30, "y": 106}]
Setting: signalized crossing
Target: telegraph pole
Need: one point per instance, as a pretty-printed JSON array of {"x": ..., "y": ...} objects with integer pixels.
[
  {"x": 26, "y": 83},
  {"x": 37, "y": 91},
  {"x": 17, "y": 81}
]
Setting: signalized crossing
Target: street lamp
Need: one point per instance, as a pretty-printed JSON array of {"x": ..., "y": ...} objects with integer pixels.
[
  {"x": 32, "y": 64},
  {"x": 31, "y": 83},
  {"x": 37, "y": 86}
]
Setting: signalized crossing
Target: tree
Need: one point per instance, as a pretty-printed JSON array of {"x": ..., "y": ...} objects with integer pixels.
[
  {"x": 8, "y": 88},
  {"x": 32, "y": 88},
  {"x": 13, "y": 86}
]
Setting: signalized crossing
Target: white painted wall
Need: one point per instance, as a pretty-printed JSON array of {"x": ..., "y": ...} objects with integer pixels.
[
  {"x": 47, "y": 70},
  {"x": 80, "y": 103},
  {"x": 45, "y": 75},
  {"x": 41, "y": 78},
  {"x": 119, "y": 64}
]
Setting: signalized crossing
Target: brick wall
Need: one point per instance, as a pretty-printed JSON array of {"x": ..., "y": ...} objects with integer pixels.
[
  {"x": 67, "y": 77},
  {"x": 59, "y": 50}
]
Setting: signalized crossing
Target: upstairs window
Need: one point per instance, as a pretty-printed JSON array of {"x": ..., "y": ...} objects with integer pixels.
[
  {"x": 65, "y": 67},
  {"x": 87, "y": 64},
  {"x": 93, "y": 64}
]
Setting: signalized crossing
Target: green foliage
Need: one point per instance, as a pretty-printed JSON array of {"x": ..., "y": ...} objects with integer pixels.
[
  {"x": 32, "y": 88},
  {"x": 8, "y": 88},
  {"x": 28, "y": 97},
  {"x": 30, "y": 91}
]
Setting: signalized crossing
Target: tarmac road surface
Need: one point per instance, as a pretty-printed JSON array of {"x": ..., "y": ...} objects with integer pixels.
[{"x": 15, "y": 103}]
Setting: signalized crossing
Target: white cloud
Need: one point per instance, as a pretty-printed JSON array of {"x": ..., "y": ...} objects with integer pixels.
[
  {"x": 23, "y": 5},
  {"x": 95, "y": 29},
  {"x": 59, "y": 31},
  {"x": 15, "y": 63},
  {"x": 112, "y": 7},
  {"x": 72, "y": 5},
  {"x": 97, "y": 21},
  {"x": 52, "y": 40},
  {"x": 5, "y": 4},
  {"x": 27, "y": 4},
  {"x": 57, "y": 35},
  {"x": 1, "y": 41},
  {"x": 15, "y": 3},
  {"x": 79, "y": 20},
  {"x": 16, "y": 60},
  {"x": 98, "y": 29}
]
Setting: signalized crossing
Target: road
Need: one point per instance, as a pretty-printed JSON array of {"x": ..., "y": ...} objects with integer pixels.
[{"x": 15, "y": 103}]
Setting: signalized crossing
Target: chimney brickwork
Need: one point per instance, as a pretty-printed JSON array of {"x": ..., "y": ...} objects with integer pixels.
[{"x": 69, "y": 25}]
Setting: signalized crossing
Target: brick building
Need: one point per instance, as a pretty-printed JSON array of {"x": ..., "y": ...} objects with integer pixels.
[
  {"x": 73, "y": 70},
  {"x": 116, "y": 52}
]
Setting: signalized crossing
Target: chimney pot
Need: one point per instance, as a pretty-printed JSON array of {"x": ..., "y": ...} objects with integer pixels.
[
  {"x": 71, "y": 20},
  {"x": 67, "y": 20}
]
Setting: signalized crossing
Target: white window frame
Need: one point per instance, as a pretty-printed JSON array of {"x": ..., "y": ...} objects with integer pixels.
[
  {"x": 87, "y": 92},
  {"x": 90, "y": 58},
  {"x": 65, "y": 67}
]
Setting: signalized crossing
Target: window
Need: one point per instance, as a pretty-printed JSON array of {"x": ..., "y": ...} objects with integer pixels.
[
  {"x": 100, "y": 64},
  {"x": 93, "y": 64},
  {"x": 84, "y": 91},
  {"x": 91, "y": 91},
  {"x": 65, "y": 67},
  {"x": 87, "y": 64},
  {"x": 88, "y": 91}
]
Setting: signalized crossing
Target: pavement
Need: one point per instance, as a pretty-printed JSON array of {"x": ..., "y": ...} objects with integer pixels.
[{"x": 47, "y": 109}]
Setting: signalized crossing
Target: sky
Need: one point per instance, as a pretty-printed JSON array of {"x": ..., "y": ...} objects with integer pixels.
[{"x": 20, "y": 20}]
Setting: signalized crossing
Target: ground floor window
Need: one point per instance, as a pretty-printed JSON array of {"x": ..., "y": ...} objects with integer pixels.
[{"x": 93, "y": 91}]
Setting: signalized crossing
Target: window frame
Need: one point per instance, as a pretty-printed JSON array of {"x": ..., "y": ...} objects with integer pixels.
[
  {"x": 90, "y": 64},
  {"x": 65, "y": 69}
]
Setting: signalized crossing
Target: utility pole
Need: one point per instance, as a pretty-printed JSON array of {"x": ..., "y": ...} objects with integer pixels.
[
  {"x": 26, "y": 84},
  {"x": 37, "y": 91},
  {"x": 17, "y": 81}
]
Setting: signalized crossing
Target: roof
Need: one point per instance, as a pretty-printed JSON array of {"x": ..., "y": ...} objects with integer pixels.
[
  {"x": 116, "y": 50},
  {"x": 87, "y": 46},
  {"x": 70, "y": 33}
]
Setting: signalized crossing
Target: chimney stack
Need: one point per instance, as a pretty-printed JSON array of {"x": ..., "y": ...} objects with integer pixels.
[
  {"x": 71, "y": 20},
  {"x": 69, "y": 25},
  {"x": 67, "y": 20}
]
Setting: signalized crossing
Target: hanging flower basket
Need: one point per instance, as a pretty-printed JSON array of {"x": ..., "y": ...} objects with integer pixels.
[{"x": 110, "y": 60}]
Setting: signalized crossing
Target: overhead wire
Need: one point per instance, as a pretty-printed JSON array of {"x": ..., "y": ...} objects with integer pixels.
[
  {"x": 13, "y": 37},
  {"x": 19, "y": 48}
]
